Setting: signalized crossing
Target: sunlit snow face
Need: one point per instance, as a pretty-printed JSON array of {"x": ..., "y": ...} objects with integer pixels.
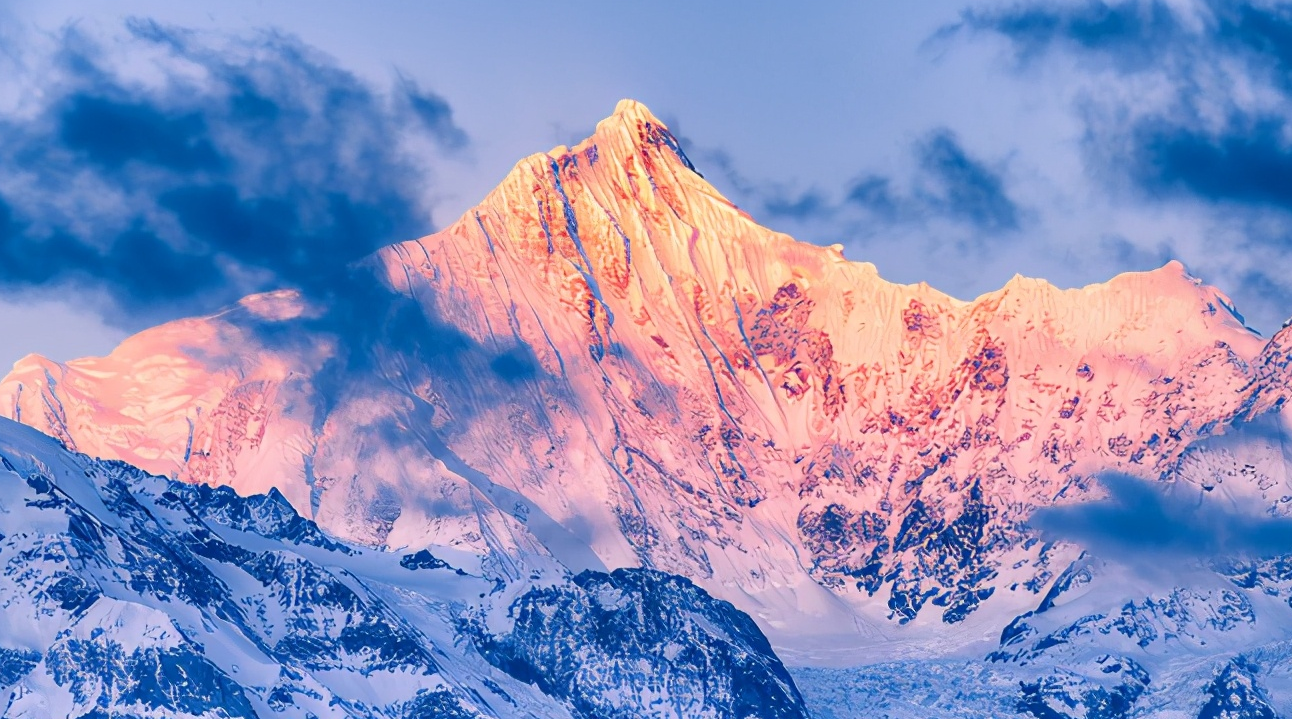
[{"x": 1094, "y": 155}]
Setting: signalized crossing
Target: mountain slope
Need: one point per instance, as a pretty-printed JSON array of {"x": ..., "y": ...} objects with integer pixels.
[
  {"x": 608, "y": 363},
  {"x": 126, "y": 594},
  {"x": 1191, "y": 619}
]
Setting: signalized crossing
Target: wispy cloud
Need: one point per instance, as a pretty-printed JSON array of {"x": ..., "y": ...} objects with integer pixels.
[
  {"x": 230, "y": 165},
  {"x": 949, "y": 184},
  {"x": 1221, "y": 131}
]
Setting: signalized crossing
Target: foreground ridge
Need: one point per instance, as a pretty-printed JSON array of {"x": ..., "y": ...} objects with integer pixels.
[{"x": 128, "y": 594}]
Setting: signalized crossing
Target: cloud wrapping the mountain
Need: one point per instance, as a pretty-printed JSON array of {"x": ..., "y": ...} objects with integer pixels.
[
  {"x": 224, "y": 166},
  {"x": 1141, "y": 519}
]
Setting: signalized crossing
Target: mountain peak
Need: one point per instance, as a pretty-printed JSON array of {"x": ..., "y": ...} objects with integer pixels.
[
  {"x": 631, "y": 129},
  {"x": 630, "y": 112},
  {"x": 606, "y": 357}
]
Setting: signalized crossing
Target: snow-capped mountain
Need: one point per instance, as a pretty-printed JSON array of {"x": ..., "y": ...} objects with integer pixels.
[
  {"x": 1195, "y": 621},
  {"x": 1102, "y": 643},
  {"x": 608, "y": 364},
  {"x": 126, "y": 594}
]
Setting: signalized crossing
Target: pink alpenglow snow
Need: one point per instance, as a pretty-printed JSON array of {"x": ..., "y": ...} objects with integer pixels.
[{"x": 609, "y": 363}]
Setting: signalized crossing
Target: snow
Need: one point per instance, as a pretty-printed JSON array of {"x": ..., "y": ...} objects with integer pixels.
[
  {"x": 607, "y": 364},
  {"x": 139, "y": 595}
]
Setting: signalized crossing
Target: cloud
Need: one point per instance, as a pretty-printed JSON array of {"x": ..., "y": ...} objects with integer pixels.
[
  {"x": 222, "y": 167},
  {"x": 1128, "y": 33},
  {"x": 964, "y": 187},
  {"x": 1218, "y": 61},
  {"x": 874, "y": 193},
  {"x": 807, "y": 204},
  {"x": 948, "y": 184},
  {"x": 434, "y": 113},
  {"x": 760, "y": 197},
  {"x": 1250, "y": 162},
  {"x": 1142, "y": 519},
  {"x": 1128, "y": 254},
  {"x": 1187, "y": 110}
]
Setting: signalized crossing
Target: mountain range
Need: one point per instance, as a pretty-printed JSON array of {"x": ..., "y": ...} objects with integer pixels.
[{"x": 607, "y": 381}]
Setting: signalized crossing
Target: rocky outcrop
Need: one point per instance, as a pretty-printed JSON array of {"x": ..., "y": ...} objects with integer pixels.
[
  {"x": 126, "y": 594},
  {"x": 638, "y": 642}
]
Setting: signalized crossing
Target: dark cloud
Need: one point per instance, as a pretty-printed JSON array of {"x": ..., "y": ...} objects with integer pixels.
[
  {"x": 804, "y": 205},
  {"x": 1263, "y": 283},
  {"x": 717, "y": 166},
  {"x": 111, "y": 133},
  {"x": 372, "y": 336},
  {"x": 874, "y": 193},
  {"x": 761, "y": 199},
  {"x": 1174, "y": 144},
  {"x": 515, "y": 365},
  {"x": 1128, "y": 33},
  {"x": 948, "y": 184},
  {"x": 1265, "y": 32},
  {"x": 963, "y": 187},
  {"x": 250, "y": 164},
  {"x": 1140, "y": 518},
  {"x": 1131, "y": 256},
  {"x": 434, "y": 113},
  {"x": 1249, "y": 162},
  {"x": 1151, "y": 36}
]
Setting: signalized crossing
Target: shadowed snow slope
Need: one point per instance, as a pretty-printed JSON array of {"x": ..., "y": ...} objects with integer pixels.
[{"x": 126, "y": 594}]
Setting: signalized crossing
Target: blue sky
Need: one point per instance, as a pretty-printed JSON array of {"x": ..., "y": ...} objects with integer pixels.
[{"x": 257, "y": 145}]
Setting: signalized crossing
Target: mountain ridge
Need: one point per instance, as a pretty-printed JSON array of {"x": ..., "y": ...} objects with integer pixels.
[
  {"x": 127, "y": 594},
  {"x": 607, "y": 357}
]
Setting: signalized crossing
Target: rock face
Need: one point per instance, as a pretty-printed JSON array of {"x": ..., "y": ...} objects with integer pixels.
[
  {"x": 1235, "y": 694},
  {"x": 126, "y": 594},
  {"x": 699, "y": 657},
  {"x": 608, "y": 363}
]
